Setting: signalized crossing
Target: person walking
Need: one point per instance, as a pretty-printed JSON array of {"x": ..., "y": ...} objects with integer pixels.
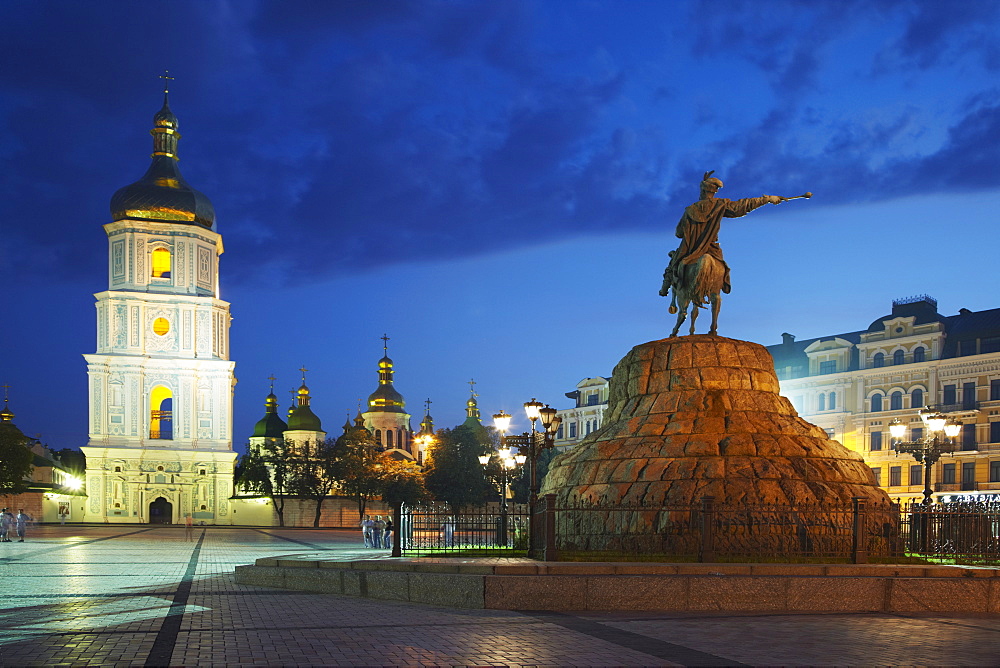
[
  {"x": 6, "y": 520},
  {"x": 377, "y": 531},
  {"x": 21, "y": 522},
  {"x": 387, "y": 537},
  {"x": 188, "y": 527},
  {"x": 367, "y": 526}
]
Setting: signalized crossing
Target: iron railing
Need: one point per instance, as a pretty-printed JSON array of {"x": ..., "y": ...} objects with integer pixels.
[{"x": 487, "y": 530}]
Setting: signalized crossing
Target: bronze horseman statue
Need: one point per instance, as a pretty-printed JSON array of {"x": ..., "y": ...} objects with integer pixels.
[{"x": 697, "y": 274}]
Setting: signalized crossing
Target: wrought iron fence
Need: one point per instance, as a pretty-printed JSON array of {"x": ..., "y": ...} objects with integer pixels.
[
  {"x": 958, "y": 530},
  {"x": 487, "y": 530}
]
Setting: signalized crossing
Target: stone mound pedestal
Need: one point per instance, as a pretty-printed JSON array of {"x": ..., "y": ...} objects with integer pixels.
[{"x": 701, "y": 416}]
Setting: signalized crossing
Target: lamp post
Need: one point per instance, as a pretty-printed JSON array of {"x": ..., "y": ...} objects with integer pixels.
[
  {"x": 507, "y": 462},
  {"x": 939, "y": 439}
]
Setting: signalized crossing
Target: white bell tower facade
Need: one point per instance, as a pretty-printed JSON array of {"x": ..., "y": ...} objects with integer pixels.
[{"x": 161, "y": 383}]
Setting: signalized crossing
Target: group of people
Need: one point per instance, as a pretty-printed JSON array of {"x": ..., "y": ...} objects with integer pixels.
[
  {"x": 377, "y": 532},
  {"x": 19, "y": 523}
]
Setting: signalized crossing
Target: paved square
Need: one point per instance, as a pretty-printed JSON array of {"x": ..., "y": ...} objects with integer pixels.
[{"x": 137, "y": 595}]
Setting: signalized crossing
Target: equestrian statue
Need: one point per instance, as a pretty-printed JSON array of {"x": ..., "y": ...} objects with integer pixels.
[{"x": 697, "y": 274}]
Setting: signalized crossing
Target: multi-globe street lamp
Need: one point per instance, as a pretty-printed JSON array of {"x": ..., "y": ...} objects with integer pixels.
[
  {"x": 939, "y": 439},
  {"x": 530, "y": 445},
  {"x": 507, "y": 463}
]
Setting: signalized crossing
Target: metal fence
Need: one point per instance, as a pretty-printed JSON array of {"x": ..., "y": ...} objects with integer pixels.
[
  {"x": 488, "y": 530},
  {"x": 965, "y": 531}
]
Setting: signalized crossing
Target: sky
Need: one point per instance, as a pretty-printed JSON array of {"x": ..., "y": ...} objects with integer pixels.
[{"x": 494, "y": 185}]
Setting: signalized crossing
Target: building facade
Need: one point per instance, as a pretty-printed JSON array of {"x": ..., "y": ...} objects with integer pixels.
[
  {"x": 854, "y": 384},
  {"x": 591, "y": 397},
  {"x": 161, "y": 382}
]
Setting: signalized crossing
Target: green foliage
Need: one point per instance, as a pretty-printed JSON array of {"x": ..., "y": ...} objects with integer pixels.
[
  {"x": 314, "y": 471},
  {"x": 454, "y": 474},
  {"x": 521, "y": 488},
  {"x": 269, "y": 469},
  {"x": 15, "y": 461},
  {"x": 359, "y": 466},
  {"x": 402, "y": 482}
]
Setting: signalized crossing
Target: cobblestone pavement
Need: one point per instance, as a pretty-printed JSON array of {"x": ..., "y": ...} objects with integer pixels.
[{"x": 136, "y": 595}]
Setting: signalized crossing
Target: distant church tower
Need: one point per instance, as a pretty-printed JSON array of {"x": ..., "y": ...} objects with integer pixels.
[
  {"x": 271, "y": 427},
  {"x": 303, "y": 425},
  {"x": 161, "y": 383},
  {"x": 386, "y": 417}
]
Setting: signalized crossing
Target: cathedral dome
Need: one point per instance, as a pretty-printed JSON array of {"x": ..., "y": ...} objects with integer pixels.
[
  {"x": 385, "y": 398},
  {"x": 303, "y": 419},
  {"x": 271, "y": 425},
  {"x": 162, "y": 194}
]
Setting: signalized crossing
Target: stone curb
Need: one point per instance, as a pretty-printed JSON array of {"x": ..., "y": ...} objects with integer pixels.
[{"x": 527, "y": 585}]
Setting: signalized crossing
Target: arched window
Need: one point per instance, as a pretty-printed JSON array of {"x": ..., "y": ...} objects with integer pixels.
[
  {"x": 918, "y": 354},
  {"x": 378, "y": 436},
  {"x": 822, "y": 402},
  {"x": 833, "y": 400},
  {"x": 897, "y": 357},
  {"x": 161, "y": 263},
  {"x": 917, "y": 396},
  {"x": 896, "y": 401},
  {"x": 388, "y": 438},
  {"x": 876, "y": 403},
  {"x": 161, "y": 417},
  {"x": 878, "y": 360}
]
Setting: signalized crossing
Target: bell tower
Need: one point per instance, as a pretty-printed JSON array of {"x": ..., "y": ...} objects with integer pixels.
[{"x": 161, "y": 382}]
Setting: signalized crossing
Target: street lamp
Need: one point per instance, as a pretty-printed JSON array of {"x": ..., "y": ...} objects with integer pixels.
[
  {"x": 507, "y": 462},
  {"x": 939, "y": 439}
]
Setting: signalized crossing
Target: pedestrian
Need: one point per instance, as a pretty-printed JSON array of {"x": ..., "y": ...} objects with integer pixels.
[
  {"x": 378, "y": 530},
  {"x": 6, "y": 520},
  {"x": 387, "y": 537},
  {"x": 367, "y": 526},
  {"x": 21, "y": 520},
  {"x": 188, "y": 527}
]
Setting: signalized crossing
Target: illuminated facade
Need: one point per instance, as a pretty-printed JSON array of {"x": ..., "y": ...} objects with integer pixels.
[
  {"x": 386, "y": 417},
  {"x": 853, "y": 384},
  {"x": 591, "y": 396},
  {"x": 161, "y": 383}
]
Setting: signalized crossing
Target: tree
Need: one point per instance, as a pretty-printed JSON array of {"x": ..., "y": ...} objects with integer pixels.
[
  {"x": 454, "y": 474},
  {"x": 358, "y": 466},
  {"x": 521, "y": 488},
  {"x": 15, "y": 460},
  {"x": 315, "y": 472},
  {"x": 269, "y": 469},
  {"x": 402, "y": 482}
]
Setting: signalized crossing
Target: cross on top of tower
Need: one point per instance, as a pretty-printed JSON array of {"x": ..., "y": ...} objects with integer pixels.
[
  {"x": 427, "y": 406},
  {"x": 385, "y": 344},
  {"x": 166, "y": 80},
  {"x": 303, "y": 370},
  {"x": 272, "y": 379},
  {"x": 472, "y": 387}
]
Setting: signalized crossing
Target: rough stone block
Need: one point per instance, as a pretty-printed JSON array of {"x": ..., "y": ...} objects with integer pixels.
[
  {"x": 845, "y": 594},
  {"x": 939, "y": 595},
  {"x": 454, "y": 591},
  {"x": 550, "y": 592},
  {"x": 637, "y": 592},
  {"x": 390, "y": 586},
  {"x": 737, "y": 593}
]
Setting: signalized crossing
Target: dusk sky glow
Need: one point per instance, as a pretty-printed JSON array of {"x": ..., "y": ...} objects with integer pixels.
[{"x": 495, "y": 185}]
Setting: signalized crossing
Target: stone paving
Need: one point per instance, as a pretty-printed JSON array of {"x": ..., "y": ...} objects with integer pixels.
[{"x": 136, "y": 595}]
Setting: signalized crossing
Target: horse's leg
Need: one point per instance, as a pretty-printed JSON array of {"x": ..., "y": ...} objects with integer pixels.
[
  {"x": 681, "y": 315},
  {"x": 716, "y": 305},
  {"x": 694, "y": 315}
]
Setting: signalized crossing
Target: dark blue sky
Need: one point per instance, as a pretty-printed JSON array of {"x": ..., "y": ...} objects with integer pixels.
[{"x": 493, "y": 184}]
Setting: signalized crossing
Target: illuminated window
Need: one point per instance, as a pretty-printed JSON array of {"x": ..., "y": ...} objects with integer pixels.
[
  {"x": 897, "y": 357},
  {"x": 161, "y": 326},
  {"x": 918, "y": 354},
  {"x": 161, "y": 263},
  {"x": 161, "y": 414},
  {"x": 878, "y": 360},
  {"x": 895, "y": 476}
]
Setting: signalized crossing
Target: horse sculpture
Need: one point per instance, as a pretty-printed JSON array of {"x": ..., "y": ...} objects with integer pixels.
[{"x": 699, "y": 283}]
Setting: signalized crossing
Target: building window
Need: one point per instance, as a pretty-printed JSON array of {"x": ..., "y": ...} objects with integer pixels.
[
  {"x": 968, "y": 475},
  {"x": 917, "y": 398},
  {"x": 378, "y": 436},
  {"x": 572, "y": 430},
  {"x": 917, "y": 434},
  {"x": 969, "y": 396},
  {"x": 821, "y": 405},
  {"x": 118, "y": 469},
  {"x": 918, "y": 354},
  {"x": 593, "y": 399},
  {"x": 948, "y": 394},
  {"x": 161, "y": 414},
  {"x": 876, "y": 403},
  {"x": 388, "y": 438},
  {"x": 161, "y": 263},
  {"x": 995, "y": 390},
  {"x": 995, "y": 471},
  {"x": 916, "y": 475},
  {"x": 877, "y": 471},
  {"x": 878, "y": 360},
  {"x": 991, "y": 344},
  {"x": 828, "y": 366},
  {"x": 201, "y": 471},
  {"x": 968, "y": 437},
  {"x": 995, "y": 432},
  {"x": 897, "y": 357},
  {"x": 895, "y": 476},
  {"x": 876, "y": 440},
  {"x": 833, "y": 400},
  {"x": 948, "y": 474},
  {"x": 896, "y": 401}
]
